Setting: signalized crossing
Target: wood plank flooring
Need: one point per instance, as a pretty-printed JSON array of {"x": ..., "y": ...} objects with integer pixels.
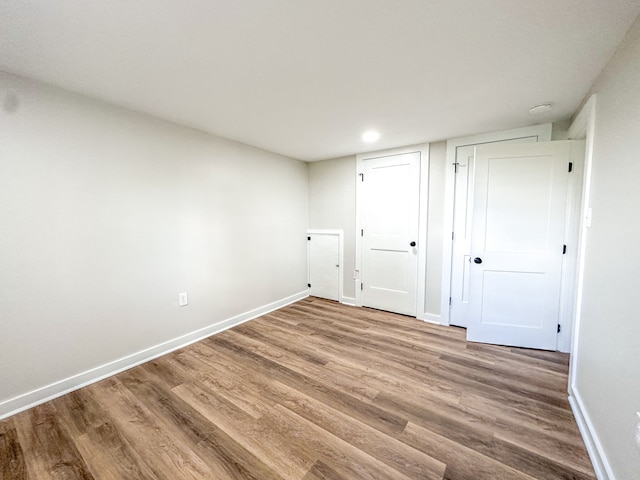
[{"x": 314, "y": 391}]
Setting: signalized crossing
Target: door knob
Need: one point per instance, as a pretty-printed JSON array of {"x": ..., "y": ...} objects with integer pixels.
[
  {"x": 412, "y": 244},
  {"x": 477, "y": 260}
]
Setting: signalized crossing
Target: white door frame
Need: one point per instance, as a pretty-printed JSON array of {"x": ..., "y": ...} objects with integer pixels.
[
  {"x": 543, "y": 132},
  {"x": 340, "y": 235},
  {"x": 423, "y": 149},
  {"x": 584, "y": 127}
]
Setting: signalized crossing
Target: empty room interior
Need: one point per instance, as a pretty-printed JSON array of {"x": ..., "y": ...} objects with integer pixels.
[{"x": 358, "y": 239}]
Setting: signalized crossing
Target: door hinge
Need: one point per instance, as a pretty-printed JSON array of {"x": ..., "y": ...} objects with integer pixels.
[
  {"x": 453, "y": 235},
  {"x": 308, "y": 238},
  {"x": 362, "y": 232},
  {"x": 309, "y": 285},
  {"x": 449, "y": 300},
  {"x": 361, "y": 286},
  {"x": 559, "y": 328},
  {"x": 564, "y": 249},
  {"x": 570, "y": 167},
  {"x": 455, "y": 167},
  {"x": 361, "y": 177}
]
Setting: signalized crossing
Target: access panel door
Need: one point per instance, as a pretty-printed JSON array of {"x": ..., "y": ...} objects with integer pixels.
[{"x": 324, "y": 265}]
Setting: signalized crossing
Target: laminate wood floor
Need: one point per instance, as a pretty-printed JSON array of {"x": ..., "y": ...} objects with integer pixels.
[{"x": 316, "y": 390}]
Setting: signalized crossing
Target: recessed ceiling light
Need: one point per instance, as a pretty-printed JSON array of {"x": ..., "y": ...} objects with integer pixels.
[
  {"x": 540, "y": 108},
  {"x": 370, "y": 136}
]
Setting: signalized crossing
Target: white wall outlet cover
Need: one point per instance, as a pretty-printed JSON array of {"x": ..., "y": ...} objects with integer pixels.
[{"x": 183, "y": 299}]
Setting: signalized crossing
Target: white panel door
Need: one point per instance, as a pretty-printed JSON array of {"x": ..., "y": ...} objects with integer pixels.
[
  {"x": 324, "y": 266},
  {"x": 462, "y": 216},
  {"x": 390, "y": 192},
  {"x": 520, "y": 202}
]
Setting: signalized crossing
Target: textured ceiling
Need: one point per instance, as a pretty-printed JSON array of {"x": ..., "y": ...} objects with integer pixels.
[{"x": 305, "y": 78}]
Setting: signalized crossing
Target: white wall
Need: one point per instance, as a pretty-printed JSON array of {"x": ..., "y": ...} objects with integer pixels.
[
  {"x": 332, "y": 205},
  {"x": 106, "y": 215},
  {"x": 435, "y": 225},
  {"x": 560, "y": 130},
  {"x": 607, "y": 378}
]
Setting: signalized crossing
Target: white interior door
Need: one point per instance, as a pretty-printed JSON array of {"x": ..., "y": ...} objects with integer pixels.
[
  {"x": 462, "y": 216},
  {"x": 389, "y": 269},
  {"x": 520, "y": 202},
  {"x": 324, "y": 265}
]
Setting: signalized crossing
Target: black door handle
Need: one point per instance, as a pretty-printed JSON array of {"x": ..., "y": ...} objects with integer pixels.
[
  {"x": 412, "y": 244},
  {"x": 477, "y": 260}
]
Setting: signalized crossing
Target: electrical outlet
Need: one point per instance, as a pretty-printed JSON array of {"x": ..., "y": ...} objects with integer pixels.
[{"x": 183, "y": 300}]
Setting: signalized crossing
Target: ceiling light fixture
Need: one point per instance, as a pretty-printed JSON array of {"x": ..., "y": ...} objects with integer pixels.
[
  {"x": 540, "y": 108},
  {"x": 370, "y": 136}
]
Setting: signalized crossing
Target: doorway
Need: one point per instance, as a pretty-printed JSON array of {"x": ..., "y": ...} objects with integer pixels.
[
  {"x": 457, "y": 251},
  {"x": 571, "y": 208},
  {"x": 390, "y": 244},
  {"x": 518, "y": 247}
]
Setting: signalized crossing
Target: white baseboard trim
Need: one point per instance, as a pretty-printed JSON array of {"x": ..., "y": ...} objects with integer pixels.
[
  {"x": 430, "y": 318},
  {"x": 591, "y": 440},
  {"x": 348, "y": 301},
  {"x": 40, "y": 395}
]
